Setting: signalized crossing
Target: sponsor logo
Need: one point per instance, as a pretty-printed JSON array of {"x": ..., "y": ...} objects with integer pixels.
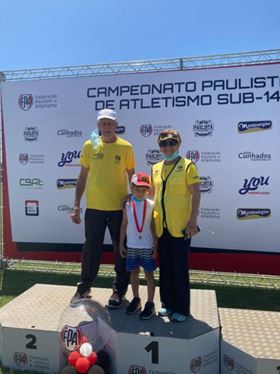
[
  {"x": 229, "y": 362},
  {"x": 71, "y": 337},
  {"x": 207, "y": 156},
  {"x": 153, "y": 156},
  {"x": 117, "y": 159},
  {"x": 146, "y": 130},
  {"x": 252, "y": 213},
  {"x": 31, "y": 133},
  {"x": 31, "y": 182},
  {"x": 20, "y": 359},
  {"x": 68, "y": 157},
  {"x": 120, "y": 130},
  {"x": 251, "y": 186},
  {"x": 253, "y": 126},
  {"x": 66, "y": 208},
  {"x": 62, "y": 184},
  {"x": 195, "y": 364},
  {"x": 25, "y": 158},
  {"x": 206, "y": 184},
  {"x": 25, "y": 101},
  {"x": 203, "y": 128},
  {"x": 98, "y": 156},
  {"x": 46, "y": 101},
  {"x": 31, "y": 207},
  {"x": 194, "y": 156},
  {"x": 135, "y": 369},
  {"x": 247, "y": 155},
  {"x": 210, "y": 213},
  {"x": 70, "y": 133}
]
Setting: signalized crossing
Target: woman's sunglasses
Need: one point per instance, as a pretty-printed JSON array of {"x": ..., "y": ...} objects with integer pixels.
[{"x": 168, "y": 143}]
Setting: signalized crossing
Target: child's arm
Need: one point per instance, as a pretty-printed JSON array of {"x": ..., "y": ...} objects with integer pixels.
[
  {"x": 123, "y": 233},
  {"x": 155, "y": 243}
]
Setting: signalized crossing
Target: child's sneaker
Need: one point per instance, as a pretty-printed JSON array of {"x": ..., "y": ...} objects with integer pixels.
[
  {"x": 148, "y": 311},
  {"x": 134, "y": 305}
]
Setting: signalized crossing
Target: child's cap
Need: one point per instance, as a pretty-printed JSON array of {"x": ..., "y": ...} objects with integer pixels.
[{"x": 141, "y": 180}]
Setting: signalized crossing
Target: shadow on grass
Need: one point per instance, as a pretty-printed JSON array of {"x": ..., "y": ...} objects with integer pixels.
[{"x": 16, "y": 282}]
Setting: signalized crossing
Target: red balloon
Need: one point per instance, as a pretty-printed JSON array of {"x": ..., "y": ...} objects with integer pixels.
[
  {"x": 82, "y": 365},
  {"x": 73, "y": 357},
  {"x": 92, "y": 358}
]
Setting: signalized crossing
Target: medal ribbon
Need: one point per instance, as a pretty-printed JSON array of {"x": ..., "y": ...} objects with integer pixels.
[{"x": 139, "y": 229}]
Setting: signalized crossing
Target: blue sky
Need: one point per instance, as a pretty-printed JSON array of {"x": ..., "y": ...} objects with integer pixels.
[{"x": 37, "y": 33}]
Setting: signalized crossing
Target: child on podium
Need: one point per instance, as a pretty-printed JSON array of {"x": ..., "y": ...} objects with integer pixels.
[{"x": 137, "y": 227}]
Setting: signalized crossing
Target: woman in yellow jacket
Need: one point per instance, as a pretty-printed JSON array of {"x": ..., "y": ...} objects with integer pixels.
[{"x": 177, "y": 196}]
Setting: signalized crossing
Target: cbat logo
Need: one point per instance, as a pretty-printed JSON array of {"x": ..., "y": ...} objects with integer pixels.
[
  {"x": 31, "y": 182},
  {"x": 71, "y": 337},
  {"x": 251, "y": 186},
  {"x": 153, "y": 156},
  {"x": 68, "y": 157},
  {"x": 253, "y": 126},
  {"x": 62, "y": 184},
  {"x": 229, "y": 362},
  {"x": 135, "y": 369},
  {"x": 203, "y": 128},
  {"x": 31, "y": 133},
  {"x": 25, "y": 101},
  {"x": 20, "y": 359},
  {"x": 252, "y": 213},
  {"x": 31, "y": 207},
  {"x": 206, "y": 184},
  {"x": 146, "y": 130},
  {"x": 195, "y": 364},
  {"x": 193, "y": 155},
  {"x": 23, "y": 158}
]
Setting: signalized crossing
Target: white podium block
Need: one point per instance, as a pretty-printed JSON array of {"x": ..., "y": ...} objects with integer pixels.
[
  {"x": 31, "y": 341},
  {"x": 250, "y": 341},
  {"x": 158, "y": 345}
]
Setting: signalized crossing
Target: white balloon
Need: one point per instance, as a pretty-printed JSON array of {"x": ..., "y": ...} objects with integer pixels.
[{"x": 85, "y": 349}]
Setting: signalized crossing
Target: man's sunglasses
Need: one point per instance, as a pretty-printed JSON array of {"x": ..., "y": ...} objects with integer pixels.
[{"x": 168, "y": 143}]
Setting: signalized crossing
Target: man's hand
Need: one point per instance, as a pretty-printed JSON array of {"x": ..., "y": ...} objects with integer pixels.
[
  {"x": 122, "y": 251},
  {"x": 75, "y": 215}
]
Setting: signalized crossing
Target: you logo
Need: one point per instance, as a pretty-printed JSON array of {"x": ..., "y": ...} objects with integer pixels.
[{"x": 253, "y": 184}]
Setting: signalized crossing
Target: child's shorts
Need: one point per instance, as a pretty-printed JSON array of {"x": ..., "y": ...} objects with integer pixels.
[{"x": 136, "y": 257}]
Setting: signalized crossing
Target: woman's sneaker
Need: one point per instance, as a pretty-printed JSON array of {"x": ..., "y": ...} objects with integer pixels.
[
  {"x": 148, "y": 311},
  {"x": 177, "y": 317},
  {"x": 164, "y": 312},
  {"x": 134, "y": 305}
]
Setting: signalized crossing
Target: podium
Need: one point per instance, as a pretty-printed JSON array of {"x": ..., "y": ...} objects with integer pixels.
[
  {"x": 30, "y": 337},
  {"x": 250, "y": 341}
]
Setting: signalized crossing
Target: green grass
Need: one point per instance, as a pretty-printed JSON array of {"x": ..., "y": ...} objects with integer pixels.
[{"x": 14, "y": 282}]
